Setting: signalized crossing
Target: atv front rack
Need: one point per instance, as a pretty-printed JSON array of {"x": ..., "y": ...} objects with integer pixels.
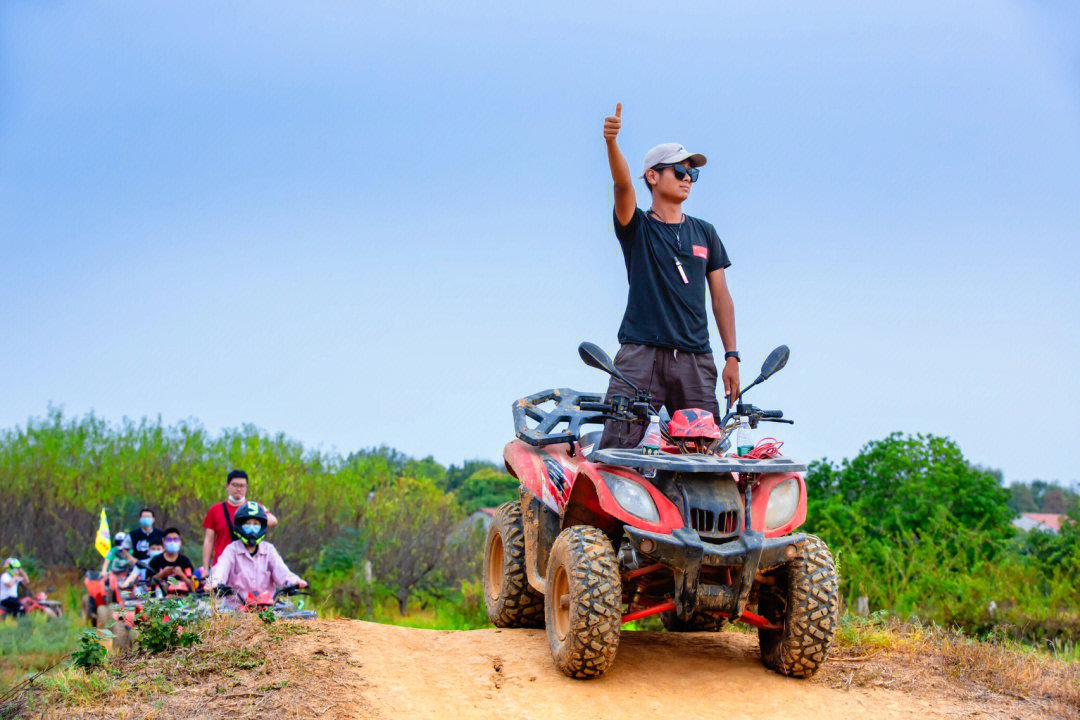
[
  {"x": 695, "y": 463},
  {"x": 548, "y": 430}
]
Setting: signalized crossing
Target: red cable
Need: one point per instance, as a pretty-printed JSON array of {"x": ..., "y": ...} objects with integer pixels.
[{"x": 766, "y": 448}]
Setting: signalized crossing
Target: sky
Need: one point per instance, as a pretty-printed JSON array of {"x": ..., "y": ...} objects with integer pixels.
[{"x": 380, "y": 223}]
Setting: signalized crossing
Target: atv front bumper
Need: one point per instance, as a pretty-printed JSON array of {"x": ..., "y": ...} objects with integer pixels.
[{"x": 685, "y": 552}]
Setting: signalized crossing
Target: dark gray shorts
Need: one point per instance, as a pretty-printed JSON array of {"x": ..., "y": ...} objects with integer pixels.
[{"x": 677, "y": 380}]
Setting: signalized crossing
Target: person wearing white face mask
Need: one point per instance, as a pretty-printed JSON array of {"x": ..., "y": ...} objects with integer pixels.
[
  {"x": 219, "y": 519},
  {"x": 172, "y": 563}
]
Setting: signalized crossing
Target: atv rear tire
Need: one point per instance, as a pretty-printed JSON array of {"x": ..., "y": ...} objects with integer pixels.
[
  {"x": 510, "y": 600},
  {"x": 804, "y": 602},
  {"x": 583, "y": 602},
  {"x": 700, "y": 622}
]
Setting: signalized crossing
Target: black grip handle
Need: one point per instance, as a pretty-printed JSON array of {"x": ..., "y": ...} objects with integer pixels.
[
  {"x": 772, "y": 414},
  {"x": 595, "y": 406}
]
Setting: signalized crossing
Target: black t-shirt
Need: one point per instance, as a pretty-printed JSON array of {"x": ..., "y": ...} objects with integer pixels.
[
  {"x": 159, "y": 563},
  {"x": 661, "y": 309},
  {"x": 141, "y": 541}
]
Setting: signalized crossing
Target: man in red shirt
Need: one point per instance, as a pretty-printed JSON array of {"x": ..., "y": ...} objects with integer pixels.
[{"x": 219, "y": 519}]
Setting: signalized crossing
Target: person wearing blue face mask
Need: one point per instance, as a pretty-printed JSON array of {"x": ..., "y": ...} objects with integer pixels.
[
  {"x": 172, "y": 563},
  {"x": 145, "y": 535}
]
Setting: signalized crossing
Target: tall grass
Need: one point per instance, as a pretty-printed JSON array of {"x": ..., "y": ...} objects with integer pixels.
[{"x": 34, "y": 642}]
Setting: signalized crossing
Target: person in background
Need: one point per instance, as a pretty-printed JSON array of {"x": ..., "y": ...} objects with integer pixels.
[
  {"x": 144, "y": 565},
  {"x": 172, "y": 563},
  {"x": 219, "y": 519},
  {"x": 9, "y": 586},
  {"x": 145, "y": 535},
  {"x": 118, "y": 559},
  {"x": 250, "y": 565}
]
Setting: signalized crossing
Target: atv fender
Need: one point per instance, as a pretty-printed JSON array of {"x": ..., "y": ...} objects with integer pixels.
[
  {"x": 541, "y": 526},
  {"x": 591, "y": 502},
  {"x": 760, "y": 502},
  {"x": 544, "y": 472}
]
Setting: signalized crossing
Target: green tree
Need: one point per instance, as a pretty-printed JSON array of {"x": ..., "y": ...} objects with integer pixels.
[
  {"x": 907, "y": 515},
  {"x": 1053, "y": 501},
  {"x": 487, "y": 487},
  {"x": 410, "y": 527},
  {"x": 1021, "y": 500}
]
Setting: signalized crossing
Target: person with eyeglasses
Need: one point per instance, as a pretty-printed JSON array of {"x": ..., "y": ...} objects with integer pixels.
[{"x": 671, "y": 258}]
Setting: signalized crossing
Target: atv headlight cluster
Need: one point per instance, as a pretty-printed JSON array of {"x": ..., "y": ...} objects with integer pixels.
[
  {"x": 633, "y": 498},
  {"x": 783, "y": 502}
]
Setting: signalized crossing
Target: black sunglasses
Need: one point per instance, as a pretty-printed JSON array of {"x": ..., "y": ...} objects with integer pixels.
[{"x": 680, "y": 170}]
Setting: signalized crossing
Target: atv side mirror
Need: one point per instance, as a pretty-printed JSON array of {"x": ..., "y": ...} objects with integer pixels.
[
  {"x": 775, "y": 362},
  {"x": 593, "y": 356}
]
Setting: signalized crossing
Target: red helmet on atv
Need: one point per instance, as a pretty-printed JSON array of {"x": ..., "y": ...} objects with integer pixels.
[
  {"x": 694, "y": 431},
  {"x": 247, "y": 515},
  {"x": 693, "y": 424}
]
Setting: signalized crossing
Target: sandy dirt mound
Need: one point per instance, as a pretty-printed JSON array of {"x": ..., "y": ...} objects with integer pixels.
[
  {"x": 391, "y": 672},
  {"x": 347, "y": 669}
]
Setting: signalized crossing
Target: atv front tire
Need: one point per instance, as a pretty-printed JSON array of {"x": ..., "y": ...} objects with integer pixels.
[
  {"x": 583, "y": 602},
  {"x": 510, "y": 600},
  {"x": 804, "y": 602}
]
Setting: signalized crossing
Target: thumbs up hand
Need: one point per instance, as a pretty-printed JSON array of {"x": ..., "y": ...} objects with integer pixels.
[{"x": 613, "y": 123}]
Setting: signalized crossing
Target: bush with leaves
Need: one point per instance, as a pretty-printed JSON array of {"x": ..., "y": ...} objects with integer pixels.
[
  {"x": 160, "y": 629},
  {"x": 918, "y": 529},
  {"x": 90, "y": 655}
]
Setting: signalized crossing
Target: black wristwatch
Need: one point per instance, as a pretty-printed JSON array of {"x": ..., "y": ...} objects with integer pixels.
[{"x": 732, "y": 354}]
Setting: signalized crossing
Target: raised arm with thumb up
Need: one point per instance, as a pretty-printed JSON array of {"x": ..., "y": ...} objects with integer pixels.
[{"x": 625, "y": 200}]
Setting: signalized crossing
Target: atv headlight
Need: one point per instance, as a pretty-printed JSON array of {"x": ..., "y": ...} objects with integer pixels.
[
  {"x": 783, "y": 501},
  {"x": 632, "y": 497}
]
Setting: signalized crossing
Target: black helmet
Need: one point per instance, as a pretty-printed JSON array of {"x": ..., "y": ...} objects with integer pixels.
[{"x": 247, "y": 512}]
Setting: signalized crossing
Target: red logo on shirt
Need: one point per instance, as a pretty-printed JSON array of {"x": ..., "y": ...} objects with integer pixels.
[{"x": 701, "y": 251}]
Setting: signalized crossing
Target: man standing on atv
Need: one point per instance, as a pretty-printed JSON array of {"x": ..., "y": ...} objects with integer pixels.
[{"x": 670, "y": 259}]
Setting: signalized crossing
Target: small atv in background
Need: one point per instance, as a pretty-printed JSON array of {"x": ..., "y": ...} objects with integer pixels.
[
  {"x": 280, "y": 602},
  {"x": 36, "y": 602},
  {"x": 601, "y": 537}
]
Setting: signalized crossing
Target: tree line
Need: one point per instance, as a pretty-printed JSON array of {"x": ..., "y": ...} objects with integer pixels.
[{"x": 916, "y": 527}]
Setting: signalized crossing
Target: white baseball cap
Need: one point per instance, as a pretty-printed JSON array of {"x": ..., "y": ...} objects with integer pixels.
[{"x": 669, "y": 153}]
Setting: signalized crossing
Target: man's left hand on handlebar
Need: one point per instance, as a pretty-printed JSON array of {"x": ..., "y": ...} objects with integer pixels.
[{"x": 730, "y": 377}]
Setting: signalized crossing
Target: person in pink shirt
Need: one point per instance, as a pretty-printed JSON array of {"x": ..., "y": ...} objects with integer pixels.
[{"x": 249, "y": 564}]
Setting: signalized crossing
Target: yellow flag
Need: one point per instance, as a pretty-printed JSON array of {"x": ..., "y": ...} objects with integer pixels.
[{"x": 103, "y": 541}]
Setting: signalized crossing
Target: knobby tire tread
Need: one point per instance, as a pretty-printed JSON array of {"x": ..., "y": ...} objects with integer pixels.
[
  {"x": 812, "y": 600},
  {"x": 518, "y": 605},
  {"x": 595, "y": 602}
]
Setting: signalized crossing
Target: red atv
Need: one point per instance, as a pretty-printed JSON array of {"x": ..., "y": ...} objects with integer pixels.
[
  {"x": 603, "y": 537},
  {"x": 36, "y": 602}
]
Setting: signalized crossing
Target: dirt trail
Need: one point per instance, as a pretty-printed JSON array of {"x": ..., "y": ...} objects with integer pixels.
[{"x": 365, "y": 670}]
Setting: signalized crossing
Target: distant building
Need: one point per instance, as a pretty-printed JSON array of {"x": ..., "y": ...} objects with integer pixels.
[
  {"x": 1046, "y": 522},
  {"x": 481, "y": 517}
]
